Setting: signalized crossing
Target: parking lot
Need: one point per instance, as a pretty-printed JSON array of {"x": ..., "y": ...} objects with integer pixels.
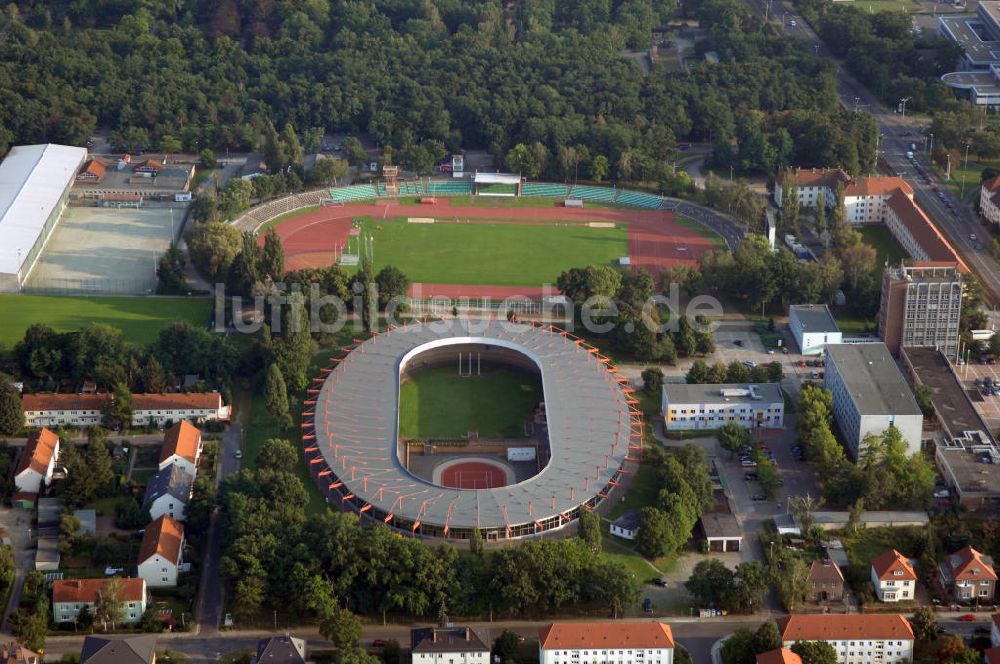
[{"x": 988, "y": 406}]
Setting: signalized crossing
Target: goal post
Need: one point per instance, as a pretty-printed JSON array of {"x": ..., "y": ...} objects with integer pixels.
[{"x": 330, "y": 202}]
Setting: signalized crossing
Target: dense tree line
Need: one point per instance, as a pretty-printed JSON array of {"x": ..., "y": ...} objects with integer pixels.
[
  {"x": 98, "y": 352},
  {"x": 685, "y": 494},
  {"x": 275, "y": 556},
  {"x": 712, "y": 584},
  {"x": 886, "y": 475},
  {"x": 419, "y": 76},
  {"x": 734, "y": 372}
]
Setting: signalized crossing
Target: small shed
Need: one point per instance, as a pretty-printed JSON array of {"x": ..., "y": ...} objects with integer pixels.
[
  {"x": 24, "y": 500},
  {"x": 626, "y": 526},
  {"x": 88, "y": 521},
  {"x": 49, "y": 512},
  {"x": 722, "y": 531}
]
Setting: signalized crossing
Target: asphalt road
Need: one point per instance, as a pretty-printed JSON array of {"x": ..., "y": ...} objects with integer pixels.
[{"x": 957, "y": 226}]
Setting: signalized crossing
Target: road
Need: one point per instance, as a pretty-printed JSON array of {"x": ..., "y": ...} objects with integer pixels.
[
  {"x": 695, "y": 634},
  {"x": 210, "y": 593},
  {"x": 957, "y": 226}
]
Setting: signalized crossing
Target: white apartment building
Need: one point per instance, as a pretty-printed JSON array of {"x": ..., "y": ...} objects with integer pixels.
[
  {"x": 606, "y": 643},
  {"x": 69, "y": 596},
  {"x": 893, "y": 578},
  {"x": 989, "y": 199},
  {"x": 84, "y": 410},
  {"x": 52, "y": 410},
  {"x": 711, "y": 406},
  {"x": 857, "y": 639},
  {"x": 161, "y": 553},
  {"x": 870, "y": 395}
]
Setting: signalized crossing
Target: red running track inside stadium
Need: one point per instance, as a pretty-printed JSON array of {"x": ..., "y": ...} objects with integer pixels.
[
  {"x": 653, "y": 237},
  {"x": 473, "y": 475}
]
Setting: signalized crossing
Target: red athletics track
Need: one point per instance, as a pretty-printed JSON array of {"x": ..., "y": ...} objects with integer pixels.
[
  {"x": 655, "y": 240},
  {"x": 473, "y": 475}
]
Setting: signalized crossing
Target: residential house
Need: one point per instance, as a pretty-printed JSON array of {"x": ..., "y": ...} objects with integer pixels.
[
  {"x": 13, "y": 652},
  {"x": 626, "y": 526},
  {"x": 280, "y": 650},
  {"x": 91, "y": 171},
  {"x": 107, "y": 649},
  {"x": 168, "y": 492},
  {"x": 989, "y": 199},
  {"x": 448, "y": 645},
  {"x": 826, "y": 581},
  {"x": 779, "y": 656},
  {"x": 856, "y": 639},
  {"x": 159, "y": 409},
  {"x": 160, "y": 555},
  {"x": 74, "y": 410},
  {"x": 148, "y": 166},
  {"x": 38, "y": 461},
  {"x": 606, "y": 643},
  {"x": 181, "y": 446},
  {"x": 69, "y": 596},
  {"x": 893, "y": 577},
  {"x": 968, "y": 576}
]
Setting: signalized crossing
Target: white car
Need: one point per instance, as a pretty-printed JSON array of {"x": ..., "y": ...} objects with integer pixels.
[
  {"x": 792, "y": 23},
  {"x": 748, "y": 463},
  {"x": 973, "y": 237}
]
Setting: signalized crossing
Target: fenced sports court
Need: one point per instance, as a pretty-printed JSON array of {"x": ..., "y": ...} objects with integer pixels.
[{"x": 105, "y": 250}]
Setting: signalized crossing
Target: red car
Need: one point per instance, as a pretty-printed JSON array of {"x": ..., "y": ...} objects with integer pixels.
[
  {"x": 968, "y": 617},
  {"x": 379, "y": 643}
]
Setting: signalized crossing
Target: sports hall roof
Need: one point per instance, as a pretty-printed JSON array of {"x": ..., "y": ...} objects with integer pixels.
[
  {"x": 587, "y": 413},
  {"x": 32, "y": 180}
]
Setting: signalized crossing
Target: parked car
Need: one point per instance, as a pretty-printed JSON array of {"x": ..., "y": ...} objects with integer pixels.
[
  {"x": 968, "y": 617},
  {"x": 750, "y": 363},
  {"x": 738, "y": 342},
  {"x": 379, "y": 643},
  {"x": 660, "y": 582},
  {"x": 758, "y": 497},
  {"x": 748, "y": 463},
  {"x": 750, "y": 477},
  {"x": 943, "y": 493}
]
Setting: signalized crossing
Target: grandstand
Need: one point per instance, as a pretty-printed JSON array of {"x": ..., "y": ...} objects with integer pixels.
[
  {"x": 34, "y": 188},
  {"x": 639, "y": 199},
  {"x": 590, "y": 193},
  {"x": 357, "y": 192},
  {"x": 352, "y": 446},
  {"x": 542, "y": 189},
  {"x": 450, "y": 188}
]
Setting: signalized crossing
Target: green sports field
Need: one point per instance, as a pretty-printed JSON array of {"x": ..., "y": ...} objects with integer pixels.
[
  {"x": 438, "y": 403},
  {"x": 140, "y": 318},
  {"x": 501, "y": 253}
]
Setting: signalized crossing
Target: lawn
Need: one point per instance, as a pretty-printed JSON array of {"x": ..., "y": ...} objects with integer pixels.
[
  {"x": 873, "y": 6},
  {"x": 886, "y": 247},
  {"x": 849, "y": 322},
  {"x": 645, "y": 491},
  {"x": 500, "y": 253},
  {"x": 436, "y": 402},
  {"x": 140, "y": 318}
]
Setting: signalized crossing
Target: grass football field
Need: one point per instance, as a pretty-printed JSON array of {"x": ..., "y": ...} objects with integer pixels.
[
  {"x": 501, "y": 253},
  {"x": 140, "y": 318},
  {"x": 437, "y": 403}
]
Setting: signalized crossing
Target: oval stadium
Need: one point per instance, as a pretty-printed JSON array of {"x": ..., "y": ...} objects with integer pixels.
[{"x": 580, "y": 441}]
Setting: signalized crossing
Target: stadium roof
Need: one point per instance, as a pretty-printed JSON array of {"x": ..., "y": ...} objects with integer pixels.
[
  {"x": 497, "y": 178},
  {"x": 356, "y": 420},
  {"x": 32, "y": 180}
]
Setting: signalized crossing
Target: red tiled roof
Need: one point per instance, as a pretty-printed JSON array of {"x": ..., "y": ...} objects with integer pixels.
[
  {"x": 93, "y": 168},
  {"x": 80, "y": 591},
  {"x": 924, "y": 231},
  {"x": 150, "y": 164},
  {"x": 992, "y": 655},
  {"x": 779, "y": 656},
  {"x": 604, "y": 635},
  {"x": 890, "y": 562},
  {"x": 993, "y": 184},
  {"x": 38, "y": 452},
  {"x": 178, "y": 401},
  {"x": 181, "y": 439},
  {"x": 877, "y": 186},
  {"x": 844, "y": 627},
  {"x": 969, "y": 559},
  {"x": 818, "y": 177},
  {"x": 43, "y": 402},
  {"x": 163, "y": 536},
  {"x": 825, "y": 571}
]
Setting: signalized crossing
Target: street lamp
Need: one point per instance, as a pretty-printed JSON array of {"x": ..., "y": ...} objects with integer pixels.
[
  {"x": 902, "y": 105},
  {"x": 968, "y": 144}
]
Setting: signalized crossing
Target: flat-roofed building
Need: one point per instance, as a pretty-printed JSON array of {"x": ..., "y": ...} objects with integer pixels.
[
  {"x": 34, "y": 188},
  {"x": 713, "y": 405},
  {"x": 978, "y": 35},
  {"x": 813, "y": 327},
  {"x": 920, "y": 306},
  {"x": 870, "y": 395}
]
